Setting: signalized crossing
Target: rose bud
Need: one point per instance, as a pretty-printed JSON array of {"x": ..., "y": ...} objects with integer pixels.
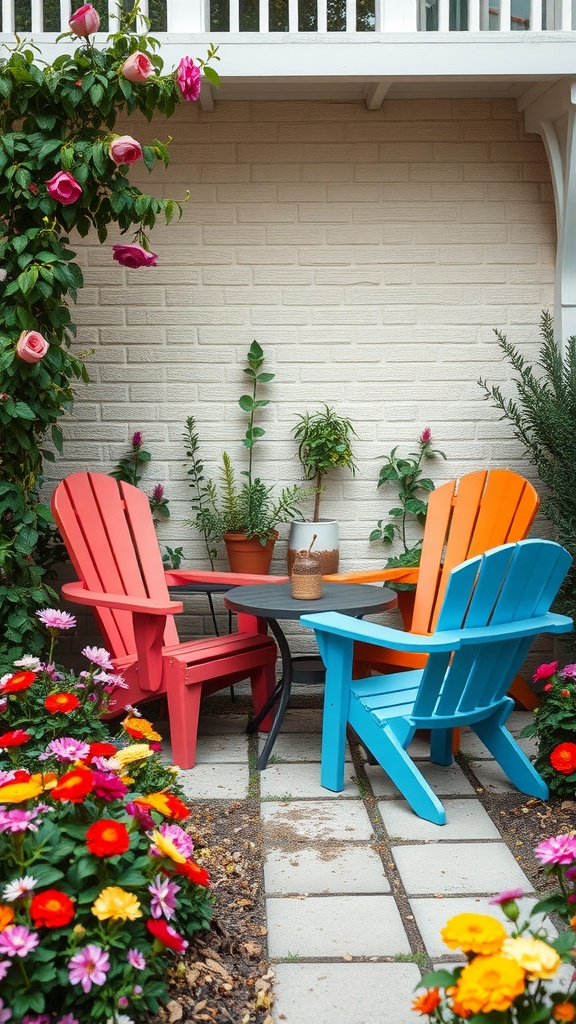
[
  {"x": 137, "y": 68},
  {"x": 31, "y": 347},
  {"x": 134, "y": 256},
  {"x": 85, "y": 21},
  {"x": 64, "y": 188},
  {"x": 125, "y": 150}
]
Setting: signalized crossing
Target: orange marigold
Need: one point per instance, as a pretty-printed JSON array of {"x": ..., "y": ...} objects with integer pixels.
[
  {"x": 563, "y": 758},
  {"x": 73, "y": 785},
  {"x": 6, "y": 916},
  {"x": 564, "y": 1012},
  {"x": 427, "y": 1002},
  {"x": 474, "y": 933},
  {"x": 490, "y": 983}
]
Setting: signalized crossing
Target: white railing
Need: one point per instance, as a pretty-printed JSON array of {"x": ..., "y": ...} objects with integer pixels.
[{"x": 379, "y": 16}]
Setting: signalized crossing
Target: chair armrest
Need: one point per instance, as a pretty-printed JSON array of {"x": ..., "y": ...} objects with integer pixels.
[
  {"x": 77, "y": 593},
  {"x": 381, "y": 636},
  {"x": 178, "y": 577},
  {"x": 400, "y": 575}
]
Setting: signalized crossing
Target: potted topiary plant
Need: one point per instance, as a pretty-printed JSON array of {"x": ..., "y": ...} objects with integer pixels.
[
  {"x": 324, "y": 444},
  {"x": 244, "y": 515}
]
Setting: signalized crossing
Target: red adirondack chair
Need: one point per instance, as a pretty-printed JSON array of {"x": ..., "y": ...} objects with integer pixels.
[{"x": 109, "y": 534}]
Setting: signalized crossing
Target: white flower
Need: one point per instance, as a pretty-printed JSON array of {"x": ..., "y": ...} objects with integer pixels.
[
  {"x": 21, "y": 886},
  {"x": 120, "y": 1018},
  {"x": 29, "y": 662}
]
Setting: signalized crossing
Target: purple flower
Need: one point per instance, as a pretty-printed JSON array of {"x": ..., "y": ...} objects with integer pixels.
[
  {"x": 163, "y": 897},
  {"x": 39, "y": 1018},
  {"x": 570, "y": 874},
  {"x": 108, "y": 786},
  {"x": 54, "y": 619},
  {"x": 17, "y": 820},
  {"x": 16, "y": 940},
  {"x": 141, "y": 815},
  {"x": 137, "y": 439},
  {"x": 68, "y": 749},
  {"x": 137, "y": 990},
  {"x": 568, "y": 672},
  {"x": 426, "y": 436},
  {"x": 68, "y": 1018},
  {"x": 136, "y": 959},
  {"x": 4, "y": 965},
  {"x": 5, "y": 1012},
  {"x": 88, "y": 967},
  {"x": 557, "y": 850},
  {"x": 507, "y": 895},
  {"x": 98, "y": 656},
  {"x": 158, "y": 492}
]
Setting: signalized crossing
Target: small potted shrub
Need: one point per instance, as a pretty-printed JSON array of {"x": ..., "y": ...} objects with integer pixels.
[
  {"x": 324, "y": 444},
  {"x": 242, "y": 514}
]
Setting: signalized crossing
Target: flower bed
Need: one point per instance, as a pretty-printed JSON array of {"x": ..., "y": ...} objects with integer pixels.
[
  {"x": 554, "y": 726},
  {"x": 98, "y": 887}
]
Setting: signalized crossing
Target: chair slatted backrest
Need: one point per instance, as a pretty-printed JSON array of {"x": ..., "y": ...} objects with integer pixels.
[
  {"x": 508, "y": 585},
  {"x": 109, "y": 534},
  {"x": 465, "y": 518}
]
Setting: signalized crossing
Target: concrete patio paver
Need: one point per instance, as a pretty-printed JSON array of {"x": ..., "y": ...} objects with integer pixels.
[
  {"x": 445, "y": 780},
  {"x": 335, "y": 926},
  {"x": 466, "y": 819},
  {"x": 323, "y": 820},
  {"x": 344, "y": 993},
  {"x": 451, "y": 868},
  {"x": 302, "y": 780},
  {"x": 325, "y": 868}
]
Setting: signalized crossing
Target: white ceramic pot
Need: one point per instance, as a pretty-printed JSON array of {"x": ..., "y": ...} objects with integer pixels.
[{"x": 325, "y": 545}]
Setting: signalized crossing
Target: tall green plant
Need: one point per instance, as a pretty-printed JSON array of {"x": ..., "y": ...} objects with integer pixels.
[
  {"x": 543, "y": 417},
  {"x": 62, "y": 169},
  {"x": 324, "y": 443}
]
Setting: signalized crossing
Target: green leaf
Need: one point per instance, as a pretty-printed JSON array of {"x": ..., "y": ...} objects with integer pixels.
[
  {"x": 246, "y": 403},
  {"x": 23, "y": 411},
  {"x": 211, "y": 75}
]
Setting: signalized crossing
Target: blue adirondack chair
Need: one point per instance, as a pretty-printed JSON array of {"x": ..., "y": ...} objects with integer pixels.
[{"x": 495, "y": 605}]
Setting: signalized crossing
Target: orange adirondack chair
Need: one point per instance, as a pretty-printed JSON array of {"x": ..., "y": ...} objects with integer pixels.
[
  {"x": 109, "y": 534},
  {"x": 465, "y": 518}
]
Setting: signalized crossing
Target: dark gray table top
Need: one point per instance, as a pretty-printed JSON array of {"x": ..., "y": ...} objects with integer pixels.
[{"x": 275, "y": 601}]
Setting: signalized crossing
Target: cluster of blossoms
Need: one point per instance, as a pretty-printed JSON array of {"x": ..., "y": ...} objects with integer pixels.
[
  {"x": 123, "y": 150},
  {"x": 506, "y": 973},
  {"x": 97, "y": 882},
  {"x": 554, "y": 726}
]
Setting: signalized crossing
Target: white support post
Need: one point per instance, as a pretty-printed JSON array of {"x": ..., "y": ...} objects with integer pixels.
[
  {"x": 187, "y": 15},
  {"x": 443, "y": 15},
  {"x": 536, "y": 16},
  {"x": 474, "y": 15},
  {"x": 484, "y": 15},
  {"x": 37, "y": 16},
  {"x": 564, "y": 15},
  {"x": 399, "y": 16},
  {"x": 113, "y": 16},
  {"x": 505, "y": 23},
  {"x": 350, "y": 15},
  {"x": 234, "y": 16},
  {"x": 64, "y": 15},
  {"x": 292, "y": 15},
  {"x": 322, "y": 16},
  {"x": 8, "y": 21},
  {"x": 263, "y": 16},
  {"x": 553, "y": 116}
]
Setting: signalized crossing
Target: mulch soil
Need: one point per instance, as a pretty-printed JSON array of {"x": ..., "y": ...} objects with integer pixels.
[{"x": 225, "y": 975}]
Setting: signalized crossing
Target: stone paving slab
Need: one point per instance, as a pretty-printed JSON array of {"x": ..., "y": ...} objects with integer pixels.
[
  {"x": 290, "y": 746},
  {"x": 335, "y": 926},
  {"x": 215, "y": 781},
  {"x": 465, "y": 819},
  {"x": 211, "y": 724},
  {"x": 431, "y": 916},
  {"x": 470, "y": 744},
  {"x": 302, "y": 720},
  {"x": 445, "y": 780},
  {"x": 344, "y": 993},
  {"x": 299, "y": 821},
  {"x": 218, "y": 748},
  {"x": 491, "y": 776},
  {"x": 452, "y": 868},
  {"x": 303, "y": 780},
  {"x": 324, "y": 868}
]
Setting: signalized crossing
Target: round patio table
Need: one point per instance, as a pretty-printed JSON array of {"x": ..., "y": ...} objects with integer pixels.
[{"x": 274, "y": 601}]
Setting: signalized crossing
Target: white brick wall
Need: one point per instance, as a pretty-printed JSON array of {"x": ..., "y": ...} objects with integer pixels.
[{"x": 371, "y": 254}]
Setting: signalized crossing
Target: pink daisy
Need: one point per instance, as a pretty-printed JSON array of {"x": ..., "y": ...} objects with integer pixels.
[
  {"x": 557, "y": 850},
  {"x": 507, "y": 895},
  {"x": 136, "y": 959},
  {"x": 16, "y": 940},
  {"x": 88, "y": 967},
  {"x": 68, "y": 749},
  {"x": 98, "y": 656},
  {"x": 54, "y": 619}
]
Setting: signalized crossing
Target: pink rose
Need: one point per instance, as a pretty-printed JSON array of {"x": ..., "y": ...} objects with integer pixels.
[
  {"x": 31, "y": 346},
  {"x": 188, "y": 79},
  {"x": 545, "y": 671},
  {"x": 125, "y": 150},
  {"x": 137, "y": 68},
  {"x": 134, "y": 256},
  {"x": 64, "y": 188},
  {"x": 84, "y": 21}
]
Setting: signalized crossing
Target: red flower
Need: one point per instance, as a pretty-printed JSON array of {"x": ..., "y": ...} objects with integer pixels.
[
  {"x": 565, "y": 693},
  {"x": 548, "y": 687},
  {"x": 101, "y": 750},
  {"x": 107, "y": 838},
  {"x": 194, "y": 873},
  {"x": 14, "y": 738},
  {"x": 61, "y": 702},
  {"x": 19, "y": 681},
  {"x": 74, "y": 785},
  {"x": 168, "y": 936},
  {"x": 545, "y": 671},
  {"x": 176, "y": 809},
  {"x": 563, "y": 758},
  {"x": 427, "y": 1002},
  {"x": 51, "y": 908}
]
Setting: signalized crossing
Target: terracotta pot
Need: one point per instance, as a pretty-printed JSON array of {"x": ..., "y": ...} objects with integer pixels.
[
  {"x": 247, "y": 554},
  {"x": 325, "y": 545}
]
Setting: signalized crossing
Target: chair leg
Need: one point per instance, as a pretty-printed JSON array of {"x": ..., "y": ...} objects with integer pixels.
[
  {"x": 441, "y": 746},
  {"x": 509, "y": 755},
  {"x": 183, "y": 713},
  {"x": 263, "y": 681},
  {"x": 399, "y": 766}
]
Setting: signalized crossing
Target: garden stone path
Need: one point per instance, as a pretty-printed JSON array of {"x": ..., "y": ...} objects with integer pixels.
[{"x": 356, "y": 886}]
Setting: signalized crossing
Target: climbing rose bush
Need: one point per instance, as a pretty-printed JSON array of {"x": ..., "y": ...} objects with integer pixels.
[
  {"x": 511, "y": 972},
  {"x": 554, "y": 727},
  {"x": 64, "y": 168}
]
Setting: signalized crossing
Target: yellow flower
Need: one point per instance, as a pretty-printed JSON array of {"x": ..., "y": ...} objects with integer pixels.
[
  {"x": 474, "y": 933},
  {"x": 18, "y": 792},
  {"x": 537, "y": 958},
  {"x": 489, "y": 983},
  {"x": 564, "y": 1012},
  {"x": 166, "y": 846},
  {"x": 135, "y": 752},
  {"x": 6, "y": 916},
  {"x": 116, "y": 904},
  {"x": 140, "y": 728}
]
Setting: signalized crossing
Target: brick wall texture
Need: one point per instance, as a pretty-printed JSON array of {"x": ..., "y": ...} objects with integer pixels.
[{"x": 370, "y": 253}]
